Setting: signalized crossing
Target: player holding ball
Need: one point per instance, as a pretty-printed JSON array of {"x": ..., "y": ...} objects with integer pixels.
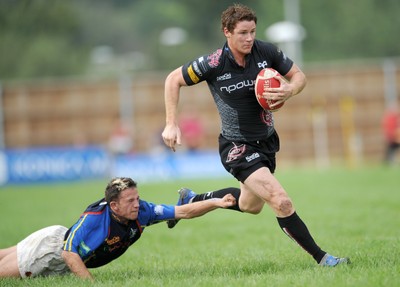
[{"x": 248, "y": 141}]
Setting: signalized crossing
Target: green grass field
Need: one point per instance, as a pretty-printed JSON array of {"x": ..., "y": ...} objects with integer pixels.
[{"x": 350, "y": 212}]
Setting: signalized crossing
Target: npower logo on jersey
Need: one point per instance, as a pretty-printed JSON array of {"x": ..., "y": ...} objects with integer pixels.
[{"x": 243, "y": 84}]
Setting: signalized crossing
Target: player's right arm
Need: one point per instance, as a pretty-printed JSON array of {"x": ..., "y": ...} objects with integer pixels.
[
  {"x": 151, "y": 213},
  {"x": 173, "y": 83},
  {"x": 76, "y": 265},
  {"x": 200, "y": 208},
  {"x": 189, "y": 74}
]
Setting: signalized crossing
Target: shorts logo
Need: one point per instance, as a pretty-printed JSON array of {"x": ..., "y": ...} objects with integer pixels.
[
  {"x": 235, "y": 152},
  {"x": 253, "y": 156},
  {"x": 213, "y": 59}
]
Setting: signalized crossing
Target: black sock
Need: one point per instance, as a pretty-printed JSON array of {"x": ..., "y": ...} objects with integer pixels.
[
  {"x": 220, "y": 194},
  {"x": 295, "y": 228}
]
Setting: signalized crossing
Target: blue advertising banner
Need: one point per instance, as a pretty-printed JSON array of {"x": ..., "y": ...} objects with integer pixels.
[
  {"x": 169, "y": 166},
  {"x": 52, "y": 164}
]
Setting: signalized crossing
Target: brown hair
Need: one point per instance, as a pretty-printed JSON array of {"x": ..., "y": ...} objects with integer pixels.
[
  {"x": 234, "y": 14},
  {"x": 116, "y": 186}
]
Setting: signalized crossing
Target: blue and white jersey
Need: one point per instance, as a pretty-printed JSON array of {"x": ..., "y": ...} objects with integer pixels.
[{"x": 99, "y": 238}]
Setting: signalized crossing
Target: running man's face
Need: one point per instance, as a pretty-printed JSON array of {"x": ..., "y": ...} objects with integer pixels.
[
  {"x": 127, "y": 205},
  {"x": 241, "y": 39}
]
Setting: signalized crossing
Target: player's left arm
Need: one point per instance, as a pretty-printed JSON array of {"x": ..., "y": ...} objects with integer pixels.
[
  {"x": 291, "y": 84},
  {"x": 173, "y": 83},
  {"x": 294, "y": 82}
]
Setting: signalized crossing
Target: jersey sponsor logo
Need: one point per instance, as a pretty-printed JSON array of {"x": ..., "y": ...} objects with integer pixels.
[
  {"x": 252, "y": 157},
  {"x": 196, "y": 68},
  {"x": 192, "y": 75},
  {"x": 238, "y": 86},
  {"x": 235, "y": 152},
  {"x": 263, "y": 65},
  {"x": 114, "y": 247},
  {"x": 113, "y": 240},
  {"x": 213, "y": 59},
  {"x": 224, "y": 77}
]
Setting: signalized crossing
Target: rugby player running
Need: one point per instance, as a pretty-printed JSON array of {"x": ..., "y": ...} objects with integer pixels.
[{"x": 248, "y": 141}]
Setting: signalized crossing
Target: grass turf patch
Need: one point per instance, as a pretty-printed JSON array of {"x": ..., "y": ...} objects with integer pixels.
[{"x": 350, "y": 212}]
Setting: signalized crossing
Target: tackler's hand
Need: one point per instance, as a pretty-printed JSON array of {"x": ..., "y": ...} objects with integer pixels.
[{"x": 228, "y": 201}]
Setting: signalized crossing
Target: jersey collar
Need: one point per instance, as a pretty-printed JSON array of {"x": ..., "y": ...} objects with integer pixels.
[{"x": 232, "y": 58}]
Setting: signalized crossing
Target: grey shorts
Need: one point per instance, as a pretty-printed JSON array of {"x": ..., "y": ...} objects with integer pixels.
[{"x": 39, "y": 254}]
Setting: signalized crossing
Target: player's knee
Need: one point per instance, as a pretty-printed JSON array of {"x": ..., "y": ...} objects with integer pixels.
[{"x": 285, "y": 206}]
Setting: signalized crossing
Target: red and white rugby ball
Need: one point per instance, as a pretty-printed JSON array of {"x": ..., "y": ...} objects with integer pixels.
[{"x": 265, "y": 79}]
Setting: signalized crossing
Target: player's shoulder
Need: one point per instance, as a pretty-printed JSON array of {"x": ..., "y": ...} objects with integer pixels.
[
  {"x": 208, "y": 62},
  {"x": 265, "y": 46},
  {"x": 97, "y": 207},
  {"x": 145, "y": 206},
  {"x": 214, "y": 59},
  {"x": 203, "y": 67},
  {"x": 146, "y": 210},
  {"x": 272, "y": 54}
]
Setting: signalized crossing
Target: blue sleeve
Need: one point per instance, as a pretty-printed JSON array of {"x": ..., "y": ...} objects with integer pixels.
[
  {"x": 150, "y": 213},
  {"x": 87, "y": 234}
]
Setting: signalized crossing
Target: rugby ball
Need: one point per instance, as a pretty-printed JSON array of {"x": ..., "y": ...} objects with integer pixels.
[{"x": 265, "y": 79}]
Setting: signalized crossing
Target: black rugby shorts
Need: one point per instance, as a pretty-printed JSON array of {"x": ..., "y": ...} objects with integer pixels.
[{"x": 243, "y": 158}]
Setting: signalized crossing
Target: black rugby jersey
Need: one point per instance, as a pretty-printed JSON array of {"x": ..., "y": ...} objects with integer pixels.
[{"x": 232, "y": 87}]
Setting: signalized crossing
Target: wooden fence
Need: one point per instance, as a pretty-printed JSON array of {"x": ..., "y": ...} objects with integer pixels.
[{"x": 337, "y": 117}]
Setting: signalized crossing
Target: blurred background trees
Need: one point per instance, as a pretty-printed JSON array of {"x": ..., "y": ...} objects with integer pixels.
[{"x": 44, "y": 38}]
